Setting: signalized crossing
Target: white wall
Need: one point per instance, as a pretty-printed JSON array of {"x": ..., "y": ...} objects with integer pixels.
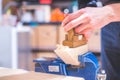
[{"x": 0, "y": 11}]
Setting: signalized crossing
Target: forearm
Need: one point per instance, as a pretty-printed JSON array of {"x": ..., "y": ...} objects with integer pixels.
[{"x": 115, "y": 8}]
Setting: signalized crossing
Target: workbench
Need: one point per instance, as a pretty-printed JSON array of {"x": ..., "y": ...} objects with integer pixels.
[{"x": 18, "y": 74}]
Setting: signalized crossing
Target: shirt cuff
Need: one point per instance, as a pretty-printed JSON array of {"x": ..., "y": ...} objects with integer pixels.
[{"x": 111, "y": 2}]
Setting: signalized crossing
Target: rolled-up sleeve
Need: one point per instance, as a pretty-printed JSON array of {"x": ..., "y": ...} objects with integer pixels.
[{"x": 106, "y": 2}]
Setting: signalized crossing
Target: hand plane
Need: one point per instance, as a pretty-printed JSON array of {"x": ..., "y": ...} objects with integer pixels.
[{"x": 74, "y": 40}]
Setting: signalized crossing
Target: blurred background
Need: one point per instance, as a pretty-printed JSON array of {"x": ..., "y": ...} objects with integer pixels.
[{"x": 30, "y": 29}]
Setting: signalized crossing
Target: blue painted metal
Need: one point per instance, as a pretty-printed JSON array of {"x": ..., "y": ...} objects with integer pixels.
[{"x": 87, "y": 69}]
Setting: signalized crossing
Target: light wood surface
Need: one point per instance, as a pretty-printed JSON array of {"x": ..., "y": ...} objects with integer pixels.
[
  {"x": 9, "y": 72},
  {"x": 15, "y": 74},
  {"x": 70, "y": 55}
]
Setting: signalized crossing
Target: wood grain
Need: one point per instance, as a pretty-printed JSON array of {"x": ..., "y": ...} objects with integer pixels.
[
  {"x": 72, "y": 40},
  {"x": 70, "y": 55},
  {"x": 35, "y": 76}
]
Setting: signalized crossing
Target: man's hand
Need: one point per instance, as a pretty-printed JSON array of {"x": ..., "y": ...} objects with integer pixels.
[{"x": 88, "y": 19}]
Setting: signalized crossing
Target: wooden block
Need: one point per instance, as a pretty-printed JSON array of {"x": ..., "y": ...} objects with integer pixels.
[{"x": 70, "y": 55}]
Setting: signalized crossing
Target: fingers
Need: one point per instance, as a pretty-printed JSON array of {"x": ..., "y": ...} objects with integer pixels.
[
  {"x": 82, "y": 27},
  {"x": 85, "y": 30},
  {"x": 87, "y": 33},
  {"x": 72, "y": 16},
  {"x": 76, "y": 22}
]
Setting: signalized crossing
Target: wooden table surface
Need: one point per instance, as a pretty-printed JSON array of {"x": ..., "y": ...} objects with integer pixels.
[{"x": 17, "y": 74}]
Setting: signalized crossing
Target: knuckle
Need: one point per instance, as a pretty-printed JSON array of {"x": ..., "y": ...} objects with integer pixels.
[
  {"x": 71, "y": 24},
  {"x": 87, "y": 16},
  {"x": 69, "y": 17},
  {"x": 76, "y": 30}
]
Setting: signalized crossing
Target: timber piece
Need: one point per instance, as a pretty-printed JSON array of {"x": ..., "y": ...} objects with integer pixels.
[{"x": 70, "y": 55}]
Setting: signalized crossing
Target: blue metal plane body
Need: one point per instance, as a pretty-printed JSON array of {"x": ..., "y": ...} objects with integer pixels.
[{"x": 87, "y": 69}]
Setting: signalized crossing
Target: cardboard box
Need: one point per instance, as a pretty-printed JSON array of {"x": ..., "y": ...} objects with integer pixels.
[
  {"x": 47, "y": 36},
  {"x": 44, "y": 37}
]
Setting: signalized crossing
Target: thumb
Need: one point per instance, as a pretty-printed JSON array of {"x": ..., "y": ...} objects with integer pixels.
[{"x": 87, "y": 33}]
